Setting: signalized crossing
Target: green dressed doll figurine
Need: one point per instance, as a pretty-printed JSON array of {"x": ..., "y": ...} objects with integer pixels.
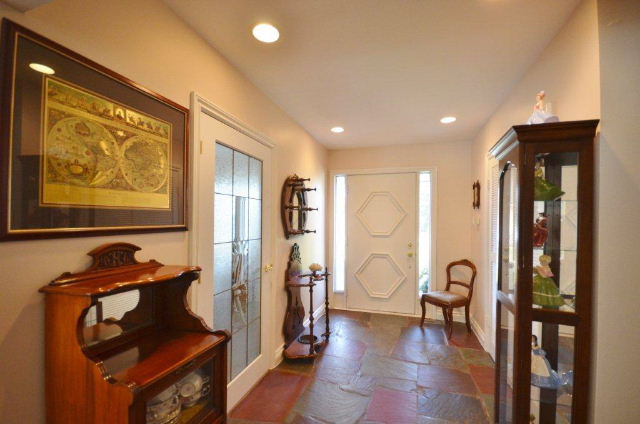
[
  {"x": 545, "y": 290},
  {"x": 542, "y": 188}
]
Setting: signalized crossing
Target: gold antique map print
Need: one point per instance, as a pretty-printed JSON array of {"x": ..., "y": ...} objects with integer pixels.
[{"x": 99, "y": 153}]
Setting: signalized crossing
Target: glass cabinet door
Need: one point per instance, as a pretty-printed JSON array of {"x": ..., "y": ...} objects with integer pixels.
[
  {"x": 507, "y": 278},
  {"x": 555, "y": 231},
  {"x": 554, "y": 284},
  {"x": 188, "y": 401},
  {"x": 509, "y": 232}
]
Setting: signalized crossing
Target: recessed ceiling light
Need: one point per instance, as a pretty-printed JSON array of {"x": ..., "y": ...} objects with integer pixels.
[
  {"x": 337, "y": 130},
  {"x": 266, "y": 33},
  {"x": 42, "y": 68},
  {"x": 448, "y": 119}
]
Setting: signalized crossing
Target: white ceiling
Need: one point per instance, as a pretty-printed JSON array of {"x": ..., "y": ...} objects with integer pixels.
[{"x": 386, "y": 70}]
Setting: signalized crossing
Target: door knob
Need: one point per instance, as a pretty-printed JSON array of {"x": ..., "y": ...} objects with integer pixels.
[
  {"x": 410, "y": 254},
  {"x": 268, "y": 268}
]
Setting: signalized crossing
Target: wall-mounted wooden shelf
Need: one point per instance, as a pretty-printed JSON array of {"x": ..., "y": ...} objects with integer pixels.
[{"x": 294, "y": 206}]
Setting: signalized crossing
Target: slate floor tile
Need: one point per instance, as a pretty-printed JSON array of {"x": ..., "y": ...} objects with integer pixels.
[
  {"x": 476, "y": 357},
  {"x": 345, "y": 348},
  {"x": 392, "y": 407},
  {"x": 360, "y": 384},
  {"x": 484, "y": 378},
  {"x": 411, "y": 352},
  {"x": 451, "y": 406},
  {"x": 381, "y": 320},
  {"x": 301, "y": 419},
  {"x": 446, "y": 379},
  {"x": 462, "y": 338},
  {"x": 326, "y": 402},
  {"x": 397, "y": 384},
  {"x": 432, "y": 334},
  {"x": 489, "y": 406},
  {"x": 272, "y": 399},
  {"x": 382, "y": 366},
  {"x": 305, "y": 367},
  {"x": 445, "y": 356}
]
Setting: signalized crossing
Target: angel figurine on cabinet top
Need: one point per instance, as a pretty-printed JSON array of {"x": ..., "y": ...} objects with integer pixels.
[{"x": 540, "y": 114}]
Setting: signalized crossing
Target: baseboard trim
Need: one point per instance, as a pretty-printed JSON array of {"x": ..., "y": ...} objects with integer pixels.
[
  {"x": 277, "y": 356},
  {"x": 316, "y": 315},
  {"x": 482, "y": 337}
]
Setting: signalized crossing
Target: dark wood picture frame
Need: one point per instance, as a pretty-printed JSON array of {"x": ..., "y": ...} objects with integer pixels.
[
  {"x": 84, "y": 150},
  {"x": 476, "y": 195}
]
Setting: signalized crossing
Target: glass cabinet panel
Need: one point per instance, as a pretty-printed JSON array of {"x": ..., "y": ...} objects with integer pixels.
[
  {"x": 505, "y": 364},
  {"x": 187, "y": 401},
  {"x": 552, "y": 353},
  {"x": 238, "y": 253},
  {"x": 555, "y": 230},
  {"x": 509, "y": 250}
]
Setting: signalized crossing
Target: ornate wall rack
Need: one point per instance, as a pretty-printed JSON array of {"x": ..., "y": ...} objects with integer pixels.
[{"x": 295, "y": 206}]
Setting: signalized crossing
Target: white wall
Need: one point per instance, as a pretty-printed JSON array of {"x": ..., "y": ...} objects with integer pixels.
[
  {"x": 568, "y": 70},
  {"x": 452, "y": 161},
  {"x": 617, "y": 348},
  {"x": 146, "y": 42}
]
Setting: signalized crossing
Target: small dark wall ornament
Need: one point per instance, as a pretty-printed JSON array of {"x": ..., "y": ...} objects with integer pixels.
[
  {"x": 476, "y": 195},
  {"x": 295, "y": 207}
]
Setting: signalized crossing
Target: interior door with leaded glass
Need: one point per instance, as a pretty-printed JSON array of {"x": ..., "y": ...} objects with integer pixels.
[{"x": 233, "y": 244}]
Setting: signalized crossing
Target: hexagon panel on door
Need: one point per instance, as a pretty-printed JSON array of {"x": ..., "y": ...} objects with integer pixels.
[
  {"x": 381, "y": 214},
  {"x": 380, "y": 275}
]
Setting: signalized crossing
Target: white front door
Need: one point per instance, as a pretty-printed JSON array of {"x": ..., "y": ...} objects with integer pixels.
[
  {"x": 232, "y": 242},
  {"x": 382, "y": 229}
]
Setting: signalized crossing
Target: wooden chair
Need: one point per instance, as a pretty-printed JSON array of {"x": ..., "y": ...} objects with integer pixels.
[{"x": 448, "y": 300}]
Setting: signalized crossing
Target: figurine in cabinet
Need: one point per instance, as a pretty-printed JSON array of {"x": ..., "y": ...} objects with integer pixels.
[
  {"x": 545, "y": 290},
  {"x": 540, "y": 230},
  {"x": 543, "y": 189}
]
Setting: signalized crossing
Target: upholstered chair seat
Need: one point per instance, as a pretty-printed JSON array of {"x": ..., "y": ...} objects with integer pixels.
[{"x": 445, "y": 298}]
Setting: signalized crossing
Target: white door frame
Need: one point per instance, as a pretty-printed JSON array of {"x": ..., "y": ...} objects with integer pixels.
[
  {"x": 201, "y": 295},
  {"x": 431, "y": 310}
]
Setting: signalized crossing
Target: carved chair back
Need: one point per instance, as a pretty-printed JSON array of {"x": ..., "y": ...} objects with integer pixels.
[{"x": 469, "y": 285}]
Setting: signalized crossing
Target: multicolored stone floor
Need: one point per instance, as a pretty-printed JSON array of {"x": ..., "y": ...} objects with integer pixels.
[{"x": 378, "y": 369}]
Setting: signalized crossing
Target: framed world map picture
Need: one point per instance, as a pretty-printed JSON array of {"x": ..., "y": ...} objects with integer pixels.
[{"x": 84, "y": 150}]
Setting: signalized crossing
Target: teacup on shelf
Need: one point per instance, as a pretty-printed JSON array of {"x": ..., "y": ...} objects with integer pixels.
[
  {"x": 165, "y": 407},
  {"x": 192, "y": 388}
]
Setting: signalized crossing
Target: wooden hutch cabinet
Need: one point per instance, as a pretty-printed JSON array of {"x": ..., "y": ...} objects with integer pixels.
[
  {"x": 545, "y": 273},
  {"x": 122, "y": 345}
]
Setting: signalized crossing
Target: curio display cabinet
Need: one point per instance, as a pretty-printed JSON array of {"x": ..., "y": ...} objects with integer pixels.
[{"x": 545, "y": 273}]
